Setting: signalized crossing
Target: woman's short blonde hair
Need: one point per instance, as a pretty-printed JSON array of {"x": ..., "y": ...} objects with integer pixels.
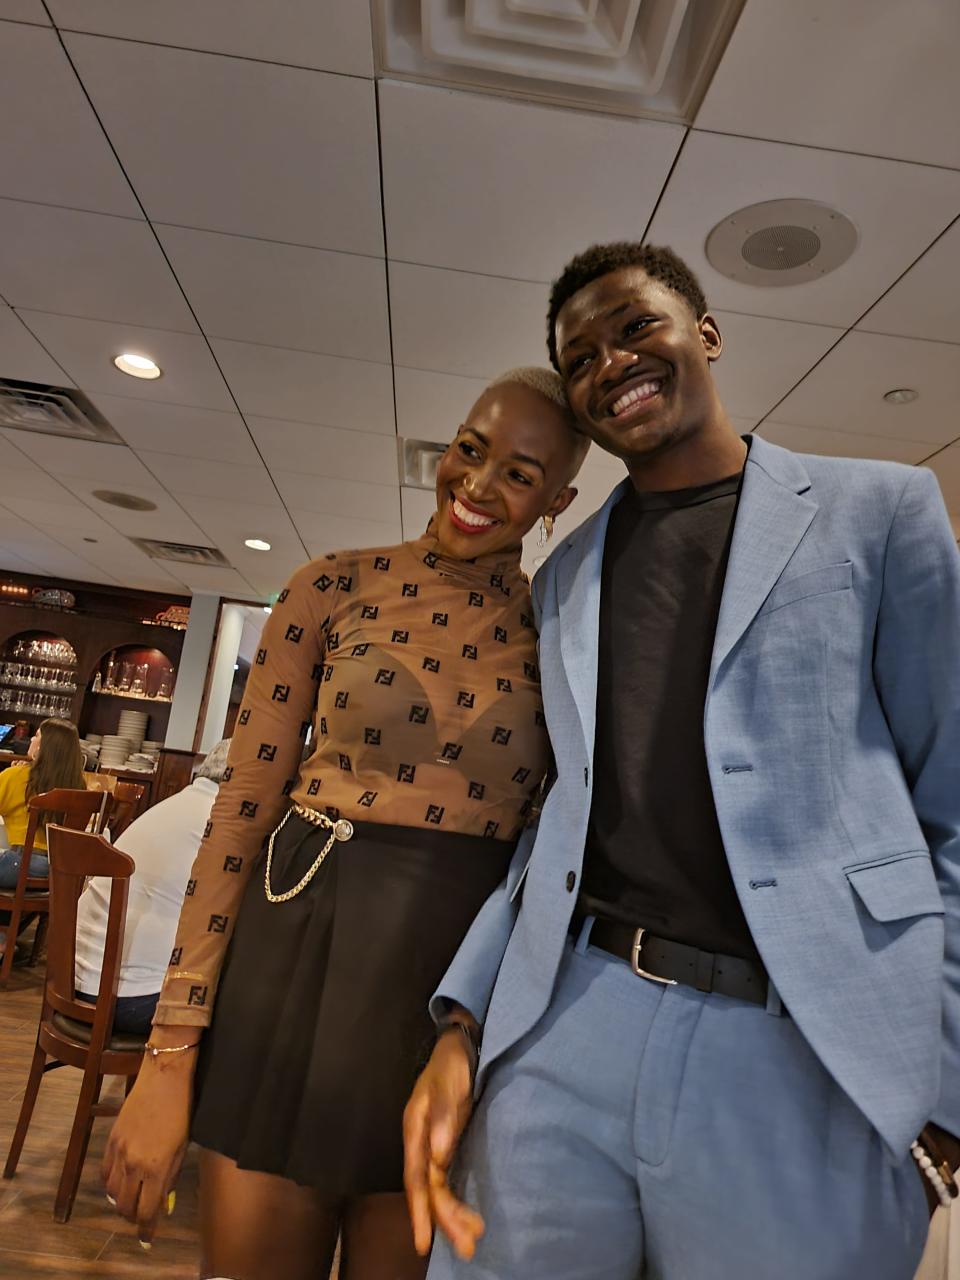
[{"x": 545, "y": 381}]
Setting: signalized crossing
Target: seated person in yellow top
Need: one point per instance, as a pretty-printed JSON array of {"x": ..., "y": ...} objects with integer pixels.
[{"x": 54, "y": 760}]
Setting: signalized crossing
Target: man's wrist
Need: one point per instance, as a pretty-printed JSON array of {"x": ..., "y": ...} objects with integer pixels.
[{"x": 468, "y": 1033}]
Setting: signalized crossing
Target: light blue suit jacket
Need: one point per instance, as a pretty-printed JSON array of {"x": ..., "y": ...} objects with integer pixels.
[{"x": 832, "y": 732}]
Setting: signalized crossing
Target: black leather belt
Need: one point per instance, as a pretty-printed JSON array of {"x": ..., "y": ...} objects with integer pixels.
[{"x": 661, "y": 960}]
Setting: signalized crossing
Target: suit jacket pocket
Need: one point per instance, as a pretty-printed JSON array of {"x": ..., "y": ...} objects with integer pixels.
[
  {"x": 897, "y": 887},
  {"x": 815, "y": 582}
]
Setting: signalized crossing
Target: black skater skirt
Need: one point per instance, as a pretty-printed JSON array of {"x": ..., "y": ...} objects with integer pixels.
[{"x": 320, "y": 1025}]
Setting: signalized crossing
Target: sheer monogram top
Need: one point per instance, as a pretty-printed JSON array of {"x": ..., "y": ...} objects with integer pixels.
[{"x": 415, "y": 678}]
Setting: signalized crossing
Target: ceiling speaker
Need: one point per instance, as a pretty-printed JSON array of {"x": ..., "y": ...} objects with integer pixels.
[{"x": 781, "y": 242}]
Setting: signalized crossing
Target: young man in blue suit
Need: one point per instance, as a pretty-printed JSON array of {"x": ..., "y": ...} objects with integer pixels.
[{"x": 719, "y": 992}]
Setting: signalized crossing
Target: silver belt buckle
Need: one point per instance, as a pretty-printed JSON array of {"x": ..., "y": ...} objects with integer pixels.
[
  {"x": 635, "y": 962},
  {"x": 342, "y": 829}
]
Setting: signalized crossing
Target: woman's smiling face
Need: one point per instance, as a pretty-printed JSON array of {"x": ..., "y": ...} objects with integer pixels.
[{"x": 511, "y": 463}]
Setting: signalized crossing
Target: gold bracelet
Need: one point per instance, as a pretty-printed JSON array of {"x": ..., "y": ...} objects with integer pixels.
[{"x": 179, "y": 1048}]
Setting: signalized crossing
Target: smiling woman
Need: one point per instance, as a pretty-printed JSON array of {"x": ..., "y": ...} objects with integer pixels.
[{"x": 348, "y": 880}]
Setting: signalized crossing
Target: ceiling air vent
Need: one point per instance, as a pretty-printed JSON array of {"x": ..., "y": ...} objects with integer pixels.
[
  {"x": 180, "y": 552},
  {"x": 418, "y": 462},
  {"x": 635, "y": 57},
  {"x": 53, "y": 411}
]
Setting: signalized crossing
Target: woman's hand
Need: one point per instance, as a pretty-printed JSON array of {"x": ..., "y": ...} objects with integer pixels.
[
  {"x": 433, "y": 1121},
  {"x": 149, "y": 1139}
]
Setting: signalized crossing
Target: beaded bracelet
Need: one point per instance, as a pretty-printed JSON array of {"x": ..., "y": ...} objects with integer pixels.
[{"x": 946, "y": 1188}]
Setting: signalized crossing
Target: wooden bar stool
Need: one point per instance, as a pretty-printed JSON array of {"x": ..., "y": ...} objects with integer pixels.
[
  {"x": 123, "y": 807},
  {"x": 32, "y": 893},
  {"x": 72, "y": 1033}
]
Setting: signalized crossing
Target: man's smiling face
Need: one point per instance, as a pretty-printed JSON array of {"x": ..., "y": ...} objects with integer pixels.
[{"x": 636, "y": 363}]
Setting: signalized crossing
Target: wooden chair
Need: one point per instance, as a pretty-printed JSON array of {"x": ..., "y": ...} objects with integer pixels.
[
  {"x": 32, "y": 893},
  {"x": 72, "y": 1033},
  {"x": 123, "y": 807}
]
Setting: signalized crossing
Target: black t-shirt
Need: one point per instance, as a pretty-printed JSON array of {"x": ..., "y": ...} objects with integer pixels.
[{"x": 654, "y": 854}]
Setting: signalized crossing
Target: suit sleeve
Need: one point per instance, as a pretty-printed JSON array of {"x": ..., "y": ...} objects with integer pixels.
[
  {"x": 917, "y": 670},
  {"x": 472, "y": 974},
  {"x": 262, "y": 769}
]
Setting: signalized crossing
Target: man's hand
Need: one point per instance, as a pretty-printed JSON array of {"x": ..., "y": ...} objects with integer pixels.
[{"x": 433, "y": 1121}]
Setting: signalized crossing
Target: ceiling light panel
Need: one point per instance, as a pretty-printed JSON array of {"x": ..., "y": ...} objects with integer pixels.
[
  {"x": 898, "y": 209},
  {"x": 492, "y": 208},
  {"x": 305, "y": 387},
  {"x": 22, "y": 356},
  {"x": 845, "y": 391},
  {"x": 243, "y": 147},
  {"x": 86, "y": 349},
  {"x": 52, "y": 149},
  {"x": 87, "y": 264},
  {"x": 283, "y": 295},
  {"x": 649, "y": 58},
  {"x": 762, "y": 86},
  {"x": 333, "y": 36},
  {"x": 474, "y": 325}
]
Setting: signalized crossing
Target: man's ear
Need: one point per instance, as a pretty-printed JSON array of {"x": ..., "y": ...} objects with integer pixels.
[
  {"x": 561, "y": 501},
  {"x": 711, "y": 337}
]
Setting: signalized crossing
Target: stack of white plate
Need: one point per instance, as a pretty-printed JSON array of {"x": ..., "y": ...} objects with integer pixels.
[
  {"x": 93, "y": 739},
  {"x": 142, "y": 763},
  {"x": 115, "y": 751},
  {"x": 151, "y": 748},
  {"x": 133, "y": 725}
]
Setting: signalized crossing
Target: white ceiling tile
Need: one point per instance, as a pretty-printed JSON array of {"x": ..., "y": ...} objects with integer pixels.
[
  {"x": 248, "y": 519},
  {"x": 897, "y": 208},
  {"x": 334, "y": 36},
  {"x": 110, "y": 464},
  {"x": 431, "y": 406},
  {"x": 24, "y": 11},
  {"x": 246, "y": 147},
  {"x": 456, "y": 195},
  {"x": 843, "y": 444},
  {"x": 925, "y": 303},
  {"x": 763, "y": 359},
  {"x": 14, "y": 563},
  {"x": 179, "y": 429},
  {"x": 214, "y": 578},
  {"x": 208, "y": 478},
  {"x": 418, "y": 506},
  {"x": 87, "y": 264},
  {"x": 169, "y": 521},
  {"x": 325, "y": 533},
  {"x": 282, "y": 295},
  {"x": 305, "y": 387},
  {"x": 313, "y": 450},
  {"x": 884, "y": 77},
  {"x": 472, "y": 325},
  {"x": 86, "y": 349},
  {"x": 10, "y": 453},
  {"x": 22, "y": 356},
  {"x": 339, "y": 497},
  {"x": 16, "y": 481},
  {"x": 51, "y": 147},
  {"x": 845, "y": 391},
  {"x": 946, "y": 467}
]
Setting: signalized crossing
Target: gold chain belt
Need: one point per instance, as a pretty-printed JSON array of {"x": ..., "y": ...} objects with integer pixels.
[{"x": 342, "y": 829}]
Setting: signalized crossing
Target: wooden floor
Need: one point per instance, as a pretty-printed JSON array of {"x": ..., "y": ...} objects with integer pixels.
[{"x": 95, "y": 1242}]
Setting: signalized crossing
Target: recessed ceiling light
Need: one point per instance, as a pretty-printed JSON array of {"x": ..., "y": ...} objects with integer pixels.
[
  {"x": 256, "y": 544},
  {"x": 137, "y": 366},
  {"x": 901, "y": 395}
]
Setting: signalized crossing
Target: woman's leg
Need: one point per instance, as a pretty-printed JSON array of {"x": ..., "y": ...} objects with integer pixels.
[
  {"x": 378, "y": 1242},
  {"x": 257, "y": 1226}
]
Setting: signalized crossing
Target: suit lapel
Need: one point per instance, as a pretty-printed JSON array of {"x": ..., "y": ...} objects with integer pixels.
[
  {"x": 772, "y": 516},
  {"x": 578, "y": 596}
]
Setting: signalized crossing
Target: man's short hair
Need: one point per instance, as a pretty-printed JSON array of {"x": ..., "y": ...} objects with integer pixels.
[
  {"x": 214, "y": 765},
  {"x": 660, "y": 263}
]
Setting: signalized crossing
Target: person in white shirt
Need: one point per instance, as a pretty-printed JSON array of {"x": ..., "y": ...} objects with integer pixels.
[{"x": 163, "y": 842}]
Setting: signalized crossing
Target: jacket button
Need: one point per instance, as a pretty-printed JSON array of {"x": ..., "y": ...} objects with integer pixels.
[
  {"x": 571, "y": 881},
  {"x": 586, "y": 777}
]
